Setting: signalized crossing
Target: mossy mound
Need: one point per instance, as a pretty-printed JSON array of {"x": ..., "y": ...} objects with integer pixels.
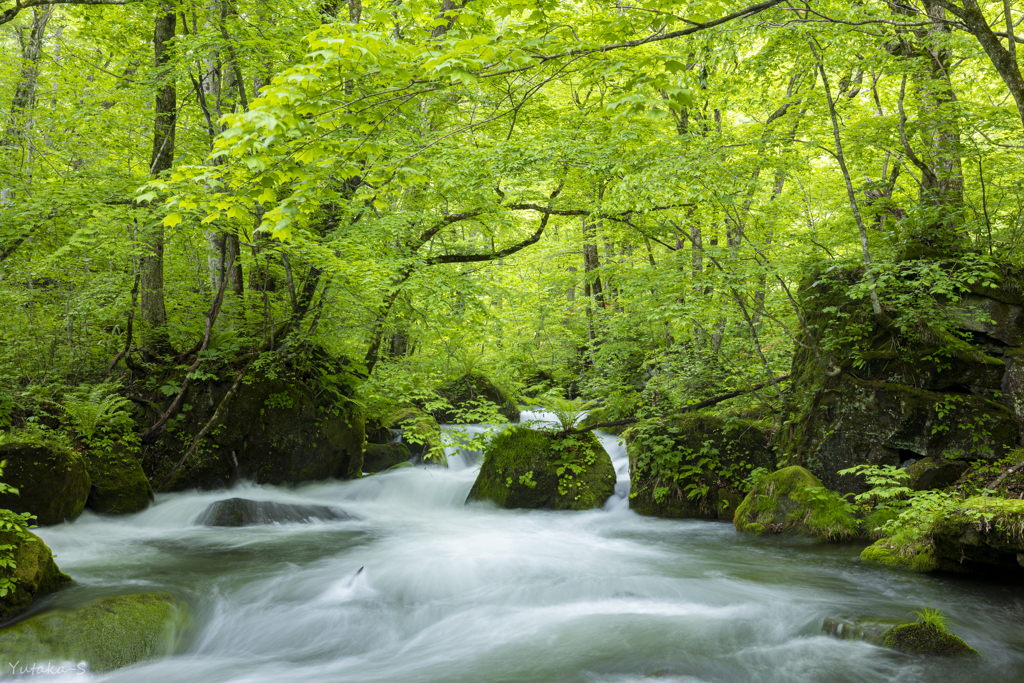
[
  {"x": 378, "y": 457},
  {"x": 273, "y": 431},
  {"x": 926, "y": 640},
  {"x": 52, "y": 480},
  {"x": 793, "y": 500},
  {"x": 526, "y": 468},
  {"x": 864, "y": 390},
  {"x": 119, "y": 486},
  {"x": 984, "y": 535},
  {"x": 467, "y": 393},
  {"x": 108, "y": 633},
  {"x": 694, "y": 465},
  {"x": 894, "y": 553},
  {"x": 34, "y": 575}
]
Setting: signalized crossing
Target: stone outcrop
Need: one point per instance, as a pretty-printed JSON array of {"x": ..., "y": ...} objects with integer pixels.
[
  {"x": 794, "y": 501},
  {"x": 466, "y": 394},
  {"x": 52, "y": 480},
  {"x": 35, "y": 573},
  {"x": 117, "y": 483},
  {"x": 237, "y": 512}
]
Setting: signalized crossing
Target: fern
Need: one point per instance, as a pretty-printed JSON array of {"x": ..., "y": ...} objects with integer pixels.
[
  {"x": 933, "y": 619},
  {"x": 568, "y": 413},
  {"x": 97, "y": 408}
]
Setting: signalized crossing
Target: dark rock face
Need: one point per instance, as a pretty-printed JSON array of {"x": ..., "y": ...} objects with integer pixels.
[
  {"x": 520, "y": 470},
  {"x": 273, "y": 431},
  {"x": 119, "y": 486},
  {"x": 243, "y": 512},
  {"x": 35, "y": 575},
  {"x": 462, "y": 393},
  {"x": 379, "y": 457},
  {"x": 662, "y": 458},
  {"x": 984, "y": 536},
  {"x": 108, "y": 633},
  {"x": 52, "y": 480},
  {"x": 888, "y": 399},
  {"x": 932, "y": 473}
]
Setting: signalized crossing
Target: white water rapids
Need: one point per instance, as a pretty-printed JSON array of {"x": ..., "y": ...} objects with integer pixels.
[{"x": 470, "y": 593}]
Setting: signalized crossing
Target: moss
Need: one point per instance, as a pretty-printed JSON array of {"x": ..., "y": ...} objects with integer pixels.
[
  {"x": 873, "y": 524},
  {"x": 927, "y": 640},
  {"x": 984, "y": 535},
  {"x": 693, "y": 465},
  {"x": 108, "y": 633},
  {"x": 896, "y": 553},
  {"x": 379, "y": 457},
  {"x": 52, "y": 480},
  {"x": 793, "y": 500},
  {"x": 526, "y": 468},
  {"x": 463, "y": 392},
  {"x": 35, "y": 574},
  {"x": 119, "y": 486}
]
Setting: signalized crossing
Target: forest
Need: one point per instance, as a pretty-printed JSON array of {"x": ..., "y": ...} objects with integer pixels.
[{"x": 747, "y": 277}]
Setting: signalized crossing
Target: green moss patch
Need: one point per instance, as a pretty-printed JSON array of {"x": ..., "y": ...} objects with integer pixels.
[
  {"x": 118, "y": 484},
  {"x": 793, "y": 500},
  {"x": 35, "y": 573},
  {"x": 927, "y": 640},
  {"x": 51, "y": 479},
  {"x": 526, "y": 468},
  {"x": 896, "y": 553}
]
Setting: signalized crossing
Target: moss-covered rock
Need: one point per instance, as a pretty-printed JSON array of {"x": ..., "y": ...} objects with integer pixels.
[
  {"x": 793, "y": 500},
  {"x": 108, "y": 633},
  {"x": 52, "y": 480},
  {"x": 935, "y": 473},
  {"x": 118, "y": 484},
  {"x": 274, "y": 430},
  {"x": 895, "y": 553},
  {"x": 694, "y": 465},
  {"x": 984, "y": 535},
  {"x": 420, "y": 434},
  {"x": 378, "y": 457},
  {"x": 237, "y": 512},
  {"x": 526, "y": 468},
  {"x": 866, "y": 629},
  {"x": 35, "y": 573},
  {"x": 925, "y": 639},
  {"x": 466, "y": 394}
]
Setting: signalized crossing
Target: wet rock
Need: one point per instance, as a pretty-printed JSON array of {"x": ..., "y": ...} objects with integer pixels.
[
  {"x": 793, "y": 500},
  {"x": 273, "y": 431},
  {"x": 466, "y": 394},
  {"x": 379, "y": 457},
  {"x": 917, "y": 638},
  {"x": 118, "y": 484},
  {"x": 984, "y": 536},
  {"x": 52, "y": 480},
  {"x": 35, "y": 573},
  {"x": 895, "y": 553},
  {"x": 243, "y": 512},
  {"x": 694, "y": 465},
  {"x": 933, "y": 473},
  {"x": 108, "y": 633},
  {"x": 521, "y": 470}
]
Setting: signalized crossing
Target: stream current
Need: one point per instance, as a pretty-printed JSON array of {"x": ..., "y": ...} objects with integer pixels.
[{"x": 423, "y": 588}]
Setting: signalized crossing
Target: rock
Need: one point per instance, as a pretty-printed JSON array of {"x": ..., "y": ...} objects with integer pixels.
[
  {"x": 521, "y": 470},
  {"x": 694, "y": 465},
  {"x": 892, "y": 396},
  {"x": 274, "y": 431},
  {"x": 379, "y": 457},
  {"x": 466, "y": 392},
  {"x": 242, "y": 512},
  {"x": 52, "y": 480},
  {"x": 932, "y": 473},
  {"x": 868, "y": 629},
  {"x": 108, "y": 633},
  {"x": 984, "y": 535},
  {"x": 35, "y": 573},
  {"x": 917, "y": 638},
  {"x": 419, "y": 432},
  {"x": 119, "y": 486},
  {"x": 793, "y": 500},
  {"x": 895, "y": 553},
  {"x": 923, "y": 639},
  {"x": 1013, "y": 386}
]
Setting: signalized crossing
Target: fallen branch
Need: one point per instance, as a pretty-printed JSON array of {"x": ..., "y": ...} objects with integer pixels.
[
  {"x": 686, "y": 409},
  {"x": 1002, "y": 477}
]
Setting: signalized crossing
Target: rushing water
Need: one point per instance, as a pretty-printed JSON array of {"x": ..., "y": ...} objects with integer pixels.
[{"x": 452, "y": 592}]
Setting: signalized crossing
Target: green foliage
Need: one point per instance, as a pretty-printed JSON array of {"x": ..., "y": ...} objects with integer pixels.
[
  {"x": 568, "y": 413},
  {"x": 933, "y": 619},
  {"x": 96, "y": 409},
  {"x": 14, "y": 525}
]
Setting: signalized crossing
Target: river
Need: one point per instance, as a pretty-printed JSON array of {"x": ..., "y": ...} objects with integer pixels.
[{"x": 423, "y": 588}]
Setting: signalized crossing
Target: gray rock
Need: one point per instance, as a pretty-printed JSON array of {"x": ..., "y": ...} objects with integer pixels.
[
  {"x": 869, "y": 629},
  {"x": 242, "y": 512}
]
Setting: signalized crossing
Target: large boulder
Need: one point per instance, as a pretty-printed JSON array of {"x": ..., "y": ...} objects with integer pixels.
[
  {"x": 237, "y": 512},
  {"x": 794, "y": 501},
  {"x": 34, "y": 573},
  {"x": 984, "y": 535},
  {"x": 274, "y": 430},
  {"x": 526, "y": 468},
  {"x": 118, "y": 484},
  {"x": 694, "y": 465},
  {"x": 52, "y": 480},
  {"x": 866, "y": 390},
  {"x": 467, "y": 394},
  {"x": 378, "y": 457},
  {"x": 108, "y": 633}
]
